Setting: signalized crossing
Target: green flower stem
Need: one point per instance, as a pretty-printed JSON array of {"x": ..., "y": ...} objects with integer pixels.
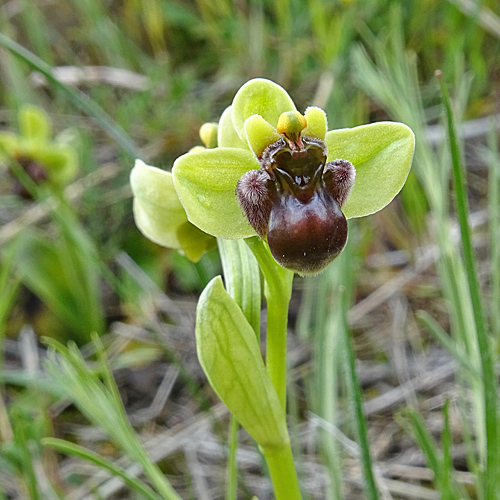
[
  {"x": 283, "y": 475},
  {"x": 232, "y": 467},
  {"x": 278, "y": 291},
  {"x": 277, "y": 309}
]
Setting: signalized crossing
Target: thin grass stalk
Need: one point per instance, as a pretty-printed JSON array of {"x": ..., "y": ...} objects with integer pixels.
[
  {"x": 485, "y": 350},
  {"x": 355, "y": 388},
  {"x": 361, "y": 425},
  {"x": 494, "y": 209},
  {"x": 77, "y": 97},
  {"x": 329, "y": 333},
  {"x": 73, "y": 449}
]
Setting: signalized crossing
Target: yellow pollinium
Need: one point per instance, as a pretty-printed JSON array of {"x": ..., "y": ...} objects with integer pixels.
[
  {"x": 291, "y": 123},
  {"x": 208, "y": 135}
]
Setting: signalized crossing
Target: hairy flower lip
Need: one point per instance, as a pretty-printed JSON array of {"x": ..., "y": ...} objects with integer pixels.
[
  {"x": 292, "y": 206},
  {"x": 306, "y": 237}
]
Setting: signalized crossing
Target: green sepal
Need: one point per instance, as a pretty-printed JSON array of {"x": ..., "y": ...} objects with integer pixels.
[
  {"x": 259, "y": 97},
  {"x": 34, "y": 123},
  {"x": 226, "y": 134},
  {"x": 317, "y": 124},
  {"x": 159, "y": 214},
  {"x": 230, "y": 356},
  {"x": 382, "y": 154},
  {"x": 260, "y": 133},
  {"x": 206, "y": 181}
]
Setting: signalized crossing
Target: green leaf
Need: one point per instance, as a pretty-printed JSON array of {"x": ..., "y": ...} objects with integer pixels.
[
  {"x": 34, "y": 123},
  {"x": 226, "y": 135},
  {"x": 382, "y": 154},
  {"x": 259, "y": 97},
  {"x": 78, "y": 451},
  {"x": 242, "y": 279},
  {"x": 206, "y": 181},
  {"x": 159, "y": 214},
  {"x": 230, "y": 356}
]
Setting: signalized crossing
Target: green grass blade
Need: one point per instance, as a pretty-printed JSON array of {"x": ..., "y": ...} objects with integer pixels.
[
  {"x": 426, "y": 443},
  {"x": 81, "y": 452},
  {"x": 77, "y": 97},
  {"x": 493, "y": 161},
  {"x": 447, "y": 342},
  {"x": 101, "y": 404},
  {"x": 355, "y": 389},
  {"x": 492, "y": 476},
  {"x": 362, "y": 428}
]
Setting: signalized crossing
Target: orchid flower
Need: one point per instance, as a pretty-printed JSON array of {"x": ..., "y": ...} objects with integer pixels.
[{"x": 277, "y": 174}]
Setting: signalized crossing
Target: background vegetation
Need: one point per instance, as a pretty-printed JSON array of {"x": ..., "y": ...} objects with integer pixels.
[{"x": 138, "y": 78}]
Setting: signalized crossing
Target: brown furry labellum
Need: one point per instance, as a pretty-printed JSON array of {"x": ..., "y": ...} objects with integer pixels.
[{"x": 294, "y": 201}]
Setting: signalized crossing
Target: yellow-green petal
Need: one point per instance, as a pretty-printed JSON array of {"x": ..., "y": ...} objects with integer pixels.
[
  {"x": 316, "y": 123},
  {"x": 34, "y": 123},
  {"x": 60, "y": 162},
  {"x": 260, "y": 133},
  {"x": 259, "y": 97},
  {"x": 226, "y": 134},
  {"x": 382, "y": 154},
  {"x": 9, "y": 144},
  {"x": 206, "y": 181}
]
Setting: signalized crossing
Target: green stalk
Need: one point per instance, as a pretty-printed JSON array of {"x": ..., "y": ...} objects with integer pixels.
[
  {"x": 485, "y": 350},
  {"x": 278, "y": 291},
  {"x": 232, "y": 465},
  {"x": 283, "y": 475}
]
